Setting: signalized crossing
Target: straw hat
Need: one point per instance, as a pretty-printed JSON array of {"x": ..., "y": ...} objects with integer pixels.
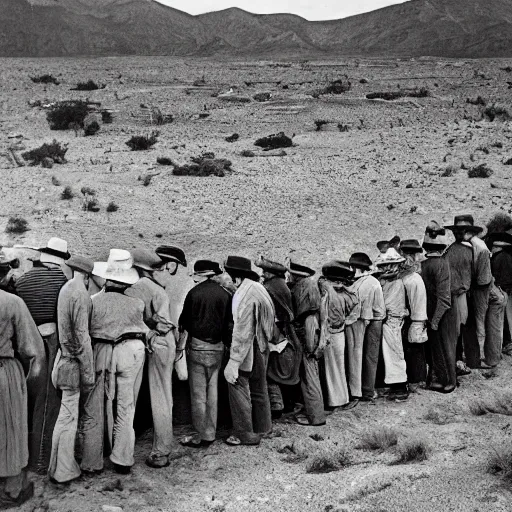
[
  {"x": 390, "y": 257},
  {"x": 56, "y": 251},
  {"x": 118, "y": 268}
]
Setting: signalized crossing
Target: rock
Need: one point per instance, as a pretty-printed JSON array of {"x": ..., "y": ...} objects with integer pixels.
[{"x": 110, "y": 508}]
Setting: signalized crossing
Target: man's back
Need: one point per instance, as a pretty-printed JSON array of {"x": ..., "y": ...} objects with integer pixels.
[{"x": 460, "y": 259}]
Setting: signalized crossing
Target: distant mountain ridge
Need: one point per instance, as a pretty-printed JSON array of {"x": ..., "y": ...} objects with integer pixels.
[{"x": 448, "y": 28}]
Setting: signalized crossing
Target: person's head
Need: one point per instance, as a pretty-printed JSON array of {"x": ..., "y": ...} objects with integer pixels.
[
  {"x": 464, "y": 228},
  {"x": 271, "y": 269},
  {"x": 388, "y": 264},
  {"x": 82, "y": 267},
  {"x": 298, "y": 272},
  {"x": 205, "y": 269},
  {"x": 55, "y": 253},
  {"x": 411, "y": 250},
  {"x": 147, "y": 263},
  {"x": 339, "y": 272},
  {"x": 117, "y": 270},
  {"x": 172, "y": 257},
  {"x": 361, "y": 263},
  {"x": 462, "y": 234},
  {"x": 239, "y": 269}
]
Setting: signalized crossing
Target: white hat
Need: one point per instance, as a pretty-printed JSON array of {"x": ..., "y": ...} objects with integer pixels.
[
  {"x": 119, "y": 267},
  {"x": 56, "y": 251},
  {"x": 391, "y": 256}
]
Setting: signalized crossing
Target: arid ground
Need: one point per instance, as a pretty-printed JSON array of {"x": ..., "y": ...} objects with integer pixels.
[{"x": 400, "y": 164}]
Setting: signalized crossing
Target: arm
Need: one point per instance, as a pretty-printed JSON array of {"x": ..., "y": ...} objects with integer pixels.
[
  {"x": 243, "y": 332},
  {"x": 443, "y": 295},
  {"x": 162, "y": 313},
  {"x": 82, "y": 346},
  {"x": 227, "y": 328}
]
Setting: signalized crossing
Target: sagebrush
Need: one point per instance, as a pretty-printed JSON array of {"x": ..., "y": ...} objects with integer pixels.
[
  {"x": 64, "y": 115},
  {"x": 54, "y": 151}
]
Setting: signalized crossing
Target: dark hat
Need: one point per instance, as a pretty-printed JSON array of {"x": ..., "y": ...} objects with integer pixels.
[
  {"x": 336, "y": 270},
  {"x": 500, "y": 239},
  {"x": 467, "y": 222},
  {"x": 410, "y": 246},
  {"x": 240, "y": 267},
  {"x": 80, "y": 263},
  {"x": 172, "y": 253},
  {"x": 300, "y": 270},
  {"x": 390, "y": 243},
  {"x": 271, "y": 266},
  {"x": 434, "y": 230},
  {"x": 146, "y": 259},
  {"x": 360, "y": 260},
  {"x": 207, "y": 267}
]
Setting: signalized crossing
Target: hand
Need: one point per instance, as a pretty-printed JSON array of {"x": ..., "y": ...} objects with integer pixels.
[
  {"x": 231, "y": 372},
  {"x": 434, "y": 327}
]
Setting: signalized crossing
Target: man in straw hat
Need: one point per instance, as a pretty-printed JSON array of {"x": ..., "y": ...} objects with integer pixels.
[
  {"x": 336, "y": 305},
  {"x": 306, "y": 302},
  {"x": 118, "y": 332},
  {"x": 39, "y": 288},
  {"x": 206, "y": 318},
  {"x": 435, "y": 272},
  {"x": 73, "y": 372},
  {"x": 364, "y": 329},
  {"x": 22, "y": 373},
  {"x": 246, "y": 371},
  {"x": 393, "y": 290}
]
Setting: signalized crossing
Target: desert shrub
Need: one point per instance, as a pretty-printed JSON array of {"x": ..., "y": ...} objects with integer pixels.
[
  {"x": 497, "y": 144},
  {"x": 64, "y": 114},
  {"x": 90, "y": 85},
  {"x": 343, "y": 127},
  {"x": 413, "y": 451},
  {"x": 67, "y": 193},
  {"x": 508, "y": 162},
  {"x": 379, "y": 439},
  {"x": 16, "y": 225},
  {"x": 262, "y": 96},
  {"x": 480, "y": 171},
  {"x": 200, "y": 82},
  {"x": 146, "y": 179},
  {"x": 500, "y": 463},
  {"x": 232, "y": 138},
  {"x": 508, "y": 69},
  {"x": 439, "y": 416},
  {"x": 497, "y": 112},
  {"x": 247, "y": 153},
  {"x": 274, "y": 141},
  {"x": 163, "y": 160},
  {"x": 44, "y": 79},
  {"x": 143, "y": 142},
  {"x": 363, "y": 81},
  {"x": 319, "y": 123},
  {"x": 112, "y": 207},
  {"x": 204, "y": 165},
  {"x": 337, "y": 87},
  {"x": 477, "y": 101},
  {"x": 91, "y": 124},
  {"x": 329, "y": 461},
  {"x": 422, "y": 92},
  {"x": 106, "y": 117},
  {"x": 449, "y": 171},
  {"x": 55, "y": 151}
]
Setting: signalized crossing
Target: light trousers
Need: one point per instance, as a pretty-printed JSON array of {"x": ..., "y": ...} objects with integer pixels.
[
  {"x": 355, "y": 341},
  {"x": 335, "y": 376},
  {"x": 393, "y": 351}
]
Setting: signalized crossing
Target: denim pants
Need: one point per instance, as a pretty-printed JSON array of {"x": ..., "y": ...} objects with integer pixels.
[
  {"x": 204, "y": 362},
  {"x": 371, "y": 351},
  {"x": 494, "y": 326},
  {"x": 249, "y": 401}
]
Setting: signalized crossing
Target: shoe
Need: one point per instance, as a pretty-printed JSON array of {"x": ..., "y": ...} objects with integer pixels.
[
  {"x": 449, "y": 389},
  {"x": 157, "y": 461},
  {"x": 122, "y": 470},
  {"x": 276, "y": 414},
  {"x": 399, "y": 395},
  {"x": 462, "y": 368},
  {"x": 435, "y": 386},
  {"x": 353, "y": 403}
]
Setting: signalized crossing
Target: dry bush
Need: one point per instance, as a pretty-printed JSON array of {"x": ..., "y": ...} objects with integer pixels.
[
  {"x": 477, "y": 101},
  {"x": 262, "y": 96},
  {"x": 55, "y": 152},
  {"x": 90, "y": 203},
  {"x": 337, "y": 87},
  {"x": 480, "y": 171},
  {"x": 497, "y": 112},
  {"x": 508, "y": 162},
  {"x": 247, "y": 153},
  {"x": 163, "y": 160},
  {"x": 91, "y": 124},
  {"x": 44, "y": 79},
  {"x": 204, "y": 165},
  {"x": 381, "y": 439},
  {"x": 500, "y": 463},
  {"x": 16, "y": 225},
  {"x": 232, "y": 138},
  {"x": 143, "y": 142},
  {"x": 438, "y": 416},
  {"x": 343, "y": 127},
  {"x": 67, "y": 193},
  {"x": 422, "y": 92},
  {"x": 329, "y": 461},
  {"x": 90, "y": 85},
  {"x": 499, "y": 223},
  {"x": 64, "y": 114},
  {"x": 319, "y": 123},
  {"x": 274, "y": 141},
  {"x": 449, "y": 171},
  {"x": 413, "y": 451},
  {"x": 106, "y": 117},
  {"x": 112, "y": 207}
]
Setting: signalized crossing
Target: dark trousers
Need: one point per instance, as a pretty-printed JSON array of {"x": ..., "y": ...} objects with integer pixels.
[
  {"x": 371, "y": 350},
  {"x": 443, "y": 345},
  {"x": 414, "y": 356},
  {"x": 312, "y": 390},
  {"x": 494, "y": 326},
  {"x": 249, "y": 401},
  {"x": 468, "y": 341}
]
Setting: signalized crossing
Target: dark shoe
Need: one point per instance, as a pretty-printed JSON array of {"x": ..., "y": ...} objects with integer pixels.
[
  {"x": 122, "y": 470},
  {"x": 435, "y": 386},
  {"x": 276, "y": 414},
  {"x": 157, "y": 461},
  {"x": 26, "y": 494},
  {"x": 462, "y": 368},
  {"x": 398, "y": 396},
  {"x": 353, "y": 403}
]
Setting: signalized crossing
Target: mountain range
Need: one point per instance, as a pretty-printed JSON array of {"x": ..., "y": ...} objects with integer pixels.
[{"x": 447, "y": 28}]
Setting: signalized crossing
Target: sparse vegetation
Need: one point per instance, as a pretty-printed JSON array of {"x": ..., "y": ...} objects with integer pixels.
[
  {"x": 16, "y": 226},
  {"x": 413, "y": 451},
  {"x": 480, "y": 171},
  {"x": 274, "y": 141},
  {"x": 112, "y": 207},
  {"x": 91, "y": 125},
  {"x": 90, "y": 85},
  {"x": 381, "y": 439},
  {"x": 329, "y": 461},
  {"x": 319, "y": 123},
  {"x": 500, "y": 463},
  {"x": 496, "y": 112},
  {"x": 494, "y": 405},
  {"x": 143, "y": 142},
  {"x": 163, "y": 160},
  {"x": 508, "y": 162},
  {"x": 421, "y": 92},
  {"x": 44, "y": 79},
  {"x": 204, "y": 165},
  {"x": 477, "y": 101},
  {"x": 449, "y": 171},
  {"x": 106, "y": 117},
  {"x": 262, "y": 96},
  {"x": 67, "y": 193},
  {"x": 55, "y": 152},
  {"x": 232, "y": 138},
  {"x": 343, "y": 127},
  {"x": 65, "y": 114},
  {"x": 247, "y": 153},
  {"x": 439, "y": 416},
  {"x": 483, "y": 149},
  {"x": 337, "y": 87}
]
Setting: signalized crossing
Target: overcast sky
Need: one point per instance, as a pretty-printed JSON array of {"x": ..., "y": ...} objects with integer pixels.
[{"x": 309, "y": 9}]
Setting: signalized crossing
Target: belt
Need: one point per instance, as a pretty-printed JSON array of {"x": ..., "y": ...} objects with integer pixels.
[{"x": 127, "y": 336}]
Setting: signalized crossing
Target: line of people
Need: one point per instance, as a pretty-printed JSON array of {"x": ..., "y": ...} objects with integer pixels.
[{"x": 75, "y": 336}]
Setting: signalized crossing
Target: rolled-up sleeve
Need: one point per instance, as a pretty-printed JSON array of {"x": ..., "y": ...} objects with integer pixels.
[{"x": 243, "y": 330}]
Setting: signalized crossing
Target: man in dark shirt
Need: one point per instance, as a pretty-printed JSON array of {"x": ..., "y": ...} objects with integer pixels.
[{"x": 206, "y": 317}]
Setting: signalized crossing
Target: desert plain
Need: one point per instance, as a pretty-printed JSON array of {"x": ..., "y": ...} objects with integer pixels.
[{"x": 376, "y": 168}]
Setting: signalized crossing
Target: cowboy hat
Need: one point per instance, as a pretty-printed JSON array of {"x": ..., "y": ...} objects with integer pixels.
[
  {"x": 389, "y": 243},
  {"x": 360, "y": 260},
  {"x": 271, "y": 266},
  {"x": 118, "y": 268},
  {"x": 300, "y": 270},
  {"x": 207, "y": 268},
  {"x": 172, "y": 253},
  {"x": 336, "y": 270},
  {"x": 390, "y": 257},
  {"x": 145, "y": 259},
  {"x": 81, "y": 264},
  {"x": 500, "y": 239},
  {"x": 465, "y": 222},
  {"x": 56, "y": 251},
  {"x": 239, "y": 266},
  {"x": 434, "y": 229},
  {"x": 410, "y": 246}
]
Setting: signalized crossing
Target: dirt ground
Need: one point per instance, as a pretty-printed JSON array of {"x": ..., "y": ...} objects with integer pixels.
[{"x": 333, "y": 193}]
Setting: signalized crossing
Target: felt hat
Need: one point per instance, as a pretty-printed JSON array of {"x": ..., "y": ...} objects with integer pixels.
[
  {"x": 145, "y": 259},
  {"x": 168, "y": 253},
  {"x": 390, "y": 257},
  {"x": 389, "y": 243},
  {"x": 501, "y": 239},
  {"x": 300, "y": 270},
  {"x": 465, "y": 221},
  {"x": 56, "y": 251},
  {"x": 118, "y": 268},
  {"x": 410, "y": 246},
  {"x": 240, "y": 266},
  {"x": 336, "y": 270},
  {"x": 207, "y": 268},
  {"x": 80, "y": 263},
  {"x": 360, "y": 260},
  {"x": 434, "y": 229},
  {"x": 271, "y": 266}
]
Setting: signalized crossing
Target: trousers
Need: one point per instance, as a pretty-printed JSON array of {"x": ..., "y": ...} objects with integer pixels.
[
  {"x": 204, "y": 362},
  {"x": 508, "y": 315},
  {"x": 335, "y": 376},
  {"x": 414, "y": 352},
  {"x": 355, "y": 343},
  {"x": 393, "y": 351},
  {"x": 472, "y": 339},
  {"x": 312, "y": 390},
  {"x": 493, "y": 343},
  {"x": 118, "y": 376},
  {"x": 443, "y": 352},
  {"x": 249, "y": 401},
  {"x": 371, "y": 351}
]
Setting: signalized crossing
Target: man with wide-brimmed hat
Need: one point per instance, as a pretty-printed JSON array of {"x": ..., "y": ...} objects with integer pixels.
[
  {"x": 206, "y": 319},
  {"x": 414, "y": 330},
  {"x": 384, "y": 245},
  {"x": 21, "y": 347},
  {"x": 285, "y": 348},
  {"x": 306, "y": 303},
  {"x": 364, "y": 329},
  {"x": 336, "y": 305},
  {"x": 73, "y": 372},
  {"x": 393, "y": 289},
  {"x": 40, "y": 288},
  {"x": 119, "y": 333},
  {"x": 161, "y": 351},
  {"x": 435, "y": 272},
  {"x": 246, "y": 371}
]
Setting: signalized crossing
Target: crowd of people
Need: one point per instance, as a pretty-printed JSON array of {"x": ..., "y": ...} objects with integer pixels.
[{"x": 75, "y": 336}]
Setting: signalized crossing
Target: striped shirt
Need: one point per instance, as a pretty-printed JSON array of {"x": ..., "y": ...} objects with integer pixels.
[{"x": 39, "y": 288}]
